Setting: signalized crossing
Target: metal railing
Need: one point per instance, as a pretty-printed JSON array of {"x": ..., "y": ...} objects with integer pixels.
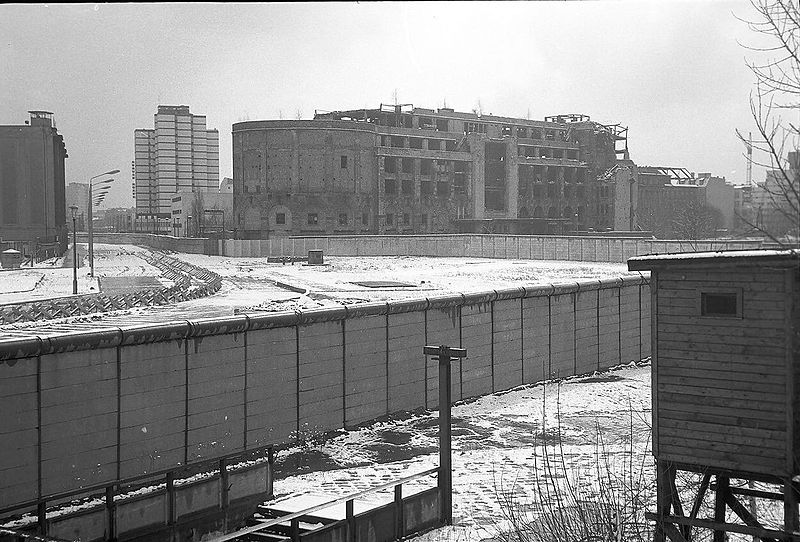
[
  {"x": 113, "y": 494},
  {"x": 349, "y": 501}
]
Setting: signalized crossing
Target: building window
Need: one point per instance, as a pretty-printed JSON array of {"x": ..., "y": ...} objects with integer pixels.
[
  {"x": 390, "y": 186},
  {"x": 408, "y": 165},
  {"x": 425, "y": 220},
  {"x": 434, "y": 145},
  {"x": 721, "y": 304},
  {"x": 408, "y": 187},
  {"x": 280, "y": 218},
  {"x": 425, "y": 167},
  {"x": 343, "y": 219},
  {"x": 313, "y": 219},
  {"x": 406, "y": 219},
  {"x": 389, "y": 219},
  {"x": 365, "y": 219},
  {"x": 390, "y": 165},
  {"x": 426, "y": 188},
  {"x": 442, "y": 189},
  {"x": 343, "y": 162}
]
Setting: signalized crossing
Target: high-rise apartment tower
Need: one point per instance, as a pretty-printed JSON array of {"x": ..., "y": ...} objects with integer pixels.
[{"x": 180, "y": 154}]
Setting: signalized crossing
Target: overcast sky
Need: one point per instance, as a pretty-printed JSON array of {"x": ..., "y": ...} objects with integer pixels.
[{"x": 673, "y": 72}]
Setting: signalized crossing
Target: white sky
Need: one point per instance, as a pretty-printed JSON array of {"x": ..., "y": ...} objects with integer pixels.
[{"x": 673, "y": 72}]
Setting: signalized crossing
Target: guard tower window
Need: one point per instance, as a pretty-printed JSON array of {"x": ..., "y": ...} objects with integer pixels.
[{"x": 721, "y": 304}]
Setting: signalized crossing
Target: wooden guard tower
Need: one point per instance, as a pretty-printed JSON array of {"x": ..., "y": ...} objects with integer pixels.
[{"x": 726, "y": 392}]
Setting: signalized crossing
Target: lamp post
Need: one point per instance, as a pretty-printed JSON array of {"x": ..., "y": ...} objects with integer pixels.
[
  {"x": 91, "y": 214},
  {"x": 74, "y": 210}
]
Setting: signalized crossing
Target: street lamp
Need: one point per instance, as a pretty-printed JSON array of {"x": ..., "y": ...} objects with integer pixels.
[
  {"x": 74, "y": 210},
  {"x": 91, "y": 213}
]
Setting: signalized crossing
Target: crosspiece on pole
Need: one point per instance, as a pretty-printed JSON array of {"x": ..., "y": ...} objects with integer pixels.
[{"x": 443, "y": 351}]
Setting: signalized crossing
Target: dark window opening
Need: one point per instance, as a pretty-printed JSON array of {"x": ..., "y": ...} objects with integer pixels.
[
  {"x": 313, "y": 219},
  {"x": 343, "y": 162},
  {"x": 343, "y": 219},
  {"x": 390, "y": 186},
  {"x": 522, "y": 132},
  {"x": 450, "y": 145},
  {"x": 426, "y": 188},
  {"x": 390, "y": 165},
  {"x": 406, "y": 219},
  {"x": 434, "y": 145},
  {"x": 397, "y": 141},
  {"x": 425, "y": 167},
  {"x": 408, "y": 165},
  {"x": 280, "y": 218},
  {"x": 442, "y": 189},
  {"x": 719, "y": 304},
  {"x": 442, "y": 125},
  {"x": 507, "y": 130},
  {"x": 389, "y": 219},
  {"x": 365, "y": 219},
  {"x": 415, "y": 142},
  {"x": 407, "y": 187}
]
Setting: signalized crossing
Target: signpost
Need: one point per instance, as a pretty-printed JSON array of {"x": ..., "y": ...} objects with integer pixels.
[{"x": 444, "y": 354}]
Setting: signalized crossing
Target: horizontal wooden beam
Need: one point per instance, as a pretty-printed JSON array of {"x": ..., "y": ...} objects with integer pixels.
[
  {"x": 729, "y": 527},
  {"x": 753, "y": 493}
]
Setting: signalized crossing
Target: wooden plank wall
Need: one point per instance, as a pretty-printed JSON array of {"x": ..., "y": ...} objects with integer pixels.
[
  {"x": 146, "y": 399},
  {"x": 721, "y": 382}
]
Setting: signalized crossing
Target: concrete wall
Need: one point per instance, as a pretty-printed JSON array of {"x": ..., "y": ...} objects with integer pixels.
[
  {"x": 120, "y": 402},
  {"x": 588, "y": 249},
  {"x": 190, "y": 245}
]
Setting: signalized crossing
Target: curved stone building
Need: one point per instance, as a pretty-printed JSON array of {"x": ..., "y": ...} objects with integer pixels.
[{"x": 411, "y": 170}]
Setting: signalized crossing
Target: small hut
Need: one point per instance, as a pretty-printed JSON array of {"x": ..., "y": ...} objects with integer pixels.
[
  {"x": 725, "y": 386},
  {"x": 10, "y": 259}
]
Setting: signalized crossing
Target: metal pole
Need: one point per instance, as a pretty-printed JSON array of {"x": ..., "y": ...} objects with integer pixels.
[
  {"x": 91, "y": 231},
  {"x": 445, "y": 436},
  {"x": 444, "y": 354},
  {"x": 74, "y": 259}
]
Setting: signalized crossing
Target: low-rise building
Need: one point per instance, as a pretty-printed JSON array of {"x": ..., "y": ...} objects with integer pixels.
[{"x": 674, "y": 203}]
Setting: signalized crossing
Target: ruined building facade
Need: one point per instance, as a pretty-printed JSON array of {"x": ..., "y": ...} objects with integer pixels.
[{"x": 400, "y": 169}]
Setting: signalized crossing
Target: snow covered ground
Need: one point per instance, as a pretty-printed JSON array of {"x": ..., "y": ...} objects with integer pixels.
[
  {"x": 499, "y": 440},
  {"x": 50, "y": 278},
  {"x": 255, "y": 285},
  {"x": 499, "y": 444},
  {"x": 338, "y": 280}
]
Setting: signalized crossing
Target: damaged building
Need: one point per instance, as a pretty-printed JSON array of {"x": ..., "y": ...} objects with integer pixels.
[{"x": 405, "y": 169}]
